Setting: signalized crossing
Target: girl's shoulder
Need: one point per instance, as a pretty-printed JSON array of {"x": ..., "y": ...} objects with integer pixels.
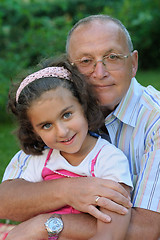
[{"x": 103, "y": 142}]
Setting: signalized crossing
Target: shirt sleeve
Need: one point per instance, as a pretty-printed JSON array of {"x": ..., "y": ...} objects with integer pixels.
[
  {"x": 112, "y": 164},
  {"x": 147, "y": 189},
  {"x": 25, "y": 166},
  {"x": 17, "y": 166}
]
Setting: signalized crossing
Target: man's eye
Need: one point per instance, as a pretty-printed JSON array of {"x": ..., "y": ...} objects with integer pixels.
[
  {"x": 113, "y": 56},
  {"x": 86, "y": 61},
  {"x": 67, "y": 115},
  {"x": 47, "y": 126}
]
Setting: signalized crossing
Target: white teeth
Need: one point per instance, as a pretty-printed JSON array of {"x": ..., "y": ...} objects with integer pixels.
[{"x": 68, "y": 140}]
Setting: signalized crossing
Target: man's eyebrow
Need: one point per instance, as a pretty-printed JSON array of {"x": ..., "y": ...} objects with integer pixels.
[
  {"x": 110, "y": 51},
  {"x": 91, "y": 55},
  {"x": 85, "y": 55}
]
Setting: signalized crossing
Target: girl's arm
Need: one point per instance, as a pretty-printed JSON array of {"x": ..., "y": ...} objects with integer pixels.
[{"x": 117, "y": 228}]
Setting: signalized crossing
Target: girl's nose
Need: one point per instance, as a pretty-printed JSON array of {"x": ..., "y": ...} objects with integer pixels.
[{"x": 62, "y": 130}]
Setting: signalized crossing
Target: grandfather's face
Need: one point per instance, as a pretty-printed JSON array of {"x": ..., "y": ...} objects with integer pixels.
[{"x": 95, "y": 40}]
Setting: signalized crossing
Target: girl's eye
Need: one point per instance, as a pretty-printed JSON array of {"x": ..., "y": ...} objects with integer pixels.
[
  {"x": 67, "y": 115},
  {"x": 47, "y": 126}
]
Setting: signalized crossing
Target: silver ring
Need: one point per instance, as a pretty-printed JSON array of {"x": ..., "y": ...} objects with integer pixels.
[{"x": 97, "y": 198}]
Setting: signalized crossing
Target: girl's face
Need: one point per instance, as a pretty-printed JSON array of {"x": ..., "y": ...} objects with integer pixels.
[{"x": 58, "y": 118}]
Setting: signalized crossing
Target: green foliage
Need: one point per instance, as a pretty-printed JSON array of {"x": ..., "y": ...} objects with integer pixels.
[
  {"x": 142, "y": 20},
  {"x": 31, "y": 30}
]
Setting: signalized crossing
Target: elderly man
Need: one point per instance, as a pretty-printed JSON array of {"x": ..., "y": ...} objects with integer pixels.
[{"x": 101, "y": 48}]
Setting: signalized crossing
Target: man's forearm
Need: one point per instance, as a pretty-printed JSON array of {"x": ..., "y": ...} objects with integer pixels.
[
  {"x": 78, "y": 226},
  {"x": 144, "y": 224},
  {"x": 21, "y": 200}
]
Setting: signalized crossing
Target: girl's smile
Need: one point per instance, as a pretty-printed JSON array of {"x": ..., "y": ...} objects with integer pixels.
[{"x": 68, "y": 141}]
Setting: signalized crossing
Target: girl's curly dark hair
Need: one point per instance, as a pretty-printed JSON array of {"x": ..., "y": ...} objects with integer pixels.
[{"x": 29, "y": 141}]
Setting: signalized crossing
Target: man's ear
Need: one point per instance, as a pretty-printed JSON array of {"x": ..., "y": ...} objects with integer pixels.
[{"x": 134, "y": 62}]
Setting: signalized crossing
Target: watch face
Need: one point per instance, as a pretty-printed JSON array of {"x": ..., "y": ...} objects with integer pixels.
[{"x": 55, "y": 225}]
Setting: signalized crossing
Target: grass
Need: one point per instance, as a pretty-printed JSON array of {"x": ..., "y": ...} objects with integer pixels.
[
  {"x": 151, "y": 77},
  {"x": 8, "y": 146}
]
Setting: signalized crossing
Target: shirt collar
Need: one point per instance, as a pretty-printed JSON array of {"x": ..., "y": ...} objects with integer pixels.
[{"x": 126, "y": 111}]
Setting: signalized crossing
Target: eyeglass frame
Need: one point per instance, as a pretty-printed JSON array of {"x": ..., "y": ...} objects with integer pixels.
[{"x": 121, "y": 56}]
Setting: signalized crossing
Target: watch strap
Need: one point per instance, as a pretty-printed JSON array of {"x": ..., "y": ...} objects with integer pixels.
[
  {"x": 53, "y": 238},
  {"x": 50, "y": 234}
]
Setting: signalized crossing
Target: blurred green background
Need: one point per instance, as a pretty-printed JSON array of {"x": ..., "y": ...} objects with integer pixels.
[{"x": 31, "y": 30}]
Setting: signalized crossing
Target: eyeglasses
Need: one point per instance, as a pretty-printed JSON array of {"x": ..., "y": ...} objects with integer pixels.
[{"x": 111, "y": 62}]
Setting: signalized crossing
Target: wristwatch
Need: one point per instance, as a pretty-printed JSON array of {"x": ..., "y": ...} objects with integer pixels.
[{"x": 54, "y": 225}]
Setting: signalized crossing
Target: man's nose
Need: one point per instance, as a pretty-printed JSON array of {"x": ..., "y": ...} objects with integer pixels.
[{"x": 100, "y": 70}]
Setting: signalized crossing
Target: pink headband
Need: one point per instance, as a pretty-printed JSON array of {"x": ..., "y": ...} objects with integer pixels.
[{"x": 59, "y": 72}]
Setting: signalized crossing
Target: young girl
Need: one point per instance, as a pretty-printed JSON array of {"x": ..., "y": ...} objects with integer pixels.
[{"x": 56, "y": 111}]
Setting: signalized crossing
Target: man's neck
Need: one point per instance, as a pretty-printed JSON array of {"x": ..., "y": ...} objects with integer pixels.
[{"x": 106, "y": 111}]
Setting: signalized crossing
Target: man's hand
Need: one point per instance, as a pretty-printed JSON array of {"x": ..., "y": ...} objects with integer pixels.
[{"x": 81, "y": 193}]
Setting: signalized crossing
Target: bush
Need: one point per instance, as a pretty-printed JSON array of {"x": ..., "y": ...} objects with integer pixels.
[{"x": 142, "y": 19}]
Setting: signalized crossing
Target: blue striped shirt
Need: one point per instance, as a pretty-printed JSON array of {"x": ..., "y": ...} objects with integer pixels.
[{"x": 134, "y": 127}]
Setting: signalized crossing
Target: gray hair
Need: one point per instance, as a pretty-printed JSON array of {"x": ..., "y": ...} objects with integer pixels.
[{"x": 100, "y": 17}]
